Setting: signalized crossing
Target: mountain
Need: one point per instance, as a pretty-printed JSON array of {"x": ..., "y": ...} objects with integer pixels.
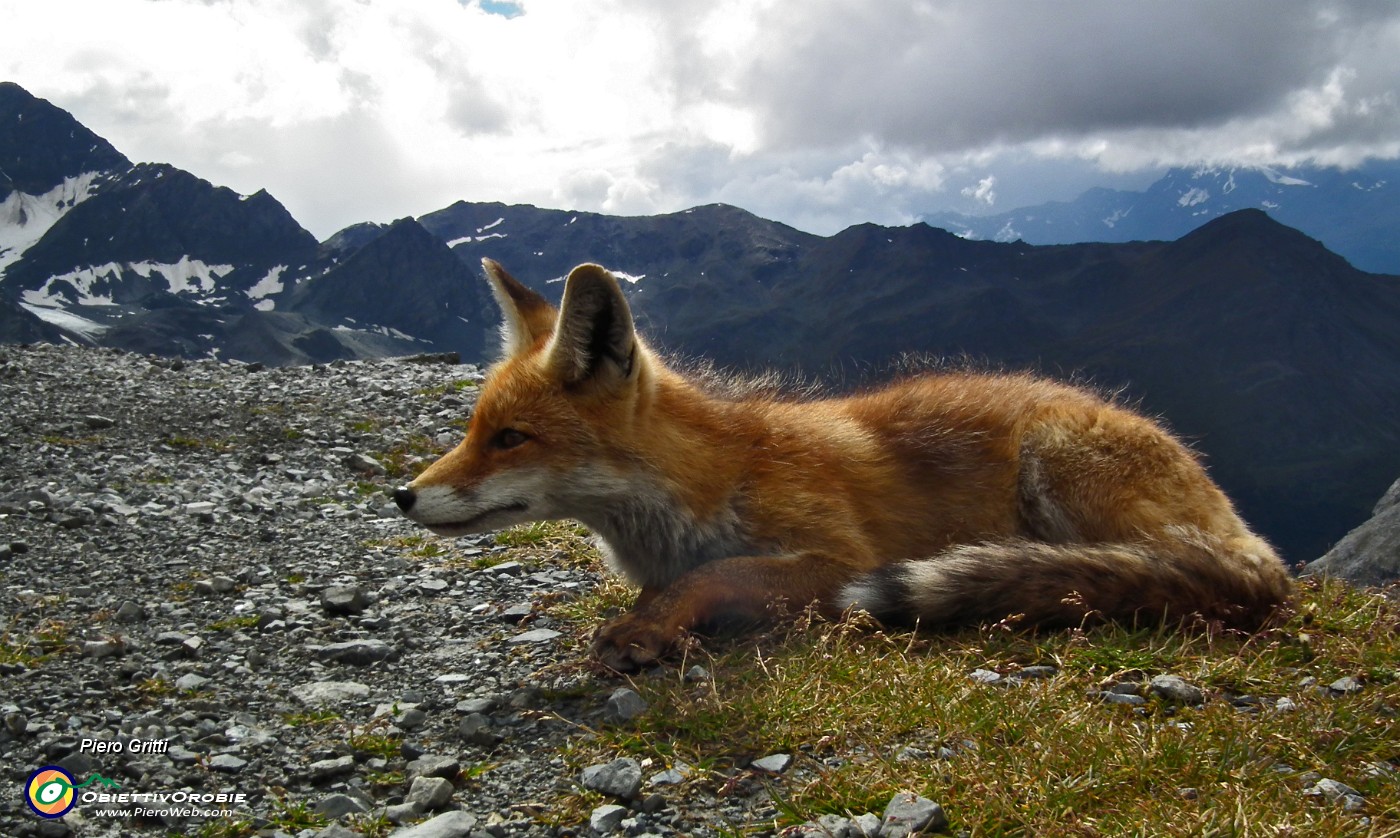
[
  {"x": 1273, "y": 355},
  {"x": 1355, "y": 212},
  {"x": 151, "y": 258}
]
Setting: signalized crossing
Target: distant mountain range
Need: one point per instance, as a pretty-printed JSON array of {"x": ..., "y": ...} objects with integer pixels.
[
  {"x": 1274, "y": 356},
  {"x": 1355, "y": 212}
]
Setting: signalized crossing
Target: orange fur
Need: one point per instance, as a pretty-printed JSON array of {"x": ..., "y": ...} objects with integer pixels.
[{"x": 946, "y": 498}]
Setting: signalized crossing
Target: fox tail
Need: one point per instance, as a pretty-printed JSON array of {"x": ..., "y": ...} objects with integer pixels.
[{"x": 1238, "y": 581}]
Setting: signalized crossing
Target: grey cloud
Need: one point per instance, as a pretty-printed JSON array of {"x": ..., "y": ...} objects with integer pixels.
[{"x": 950, "y": 76}]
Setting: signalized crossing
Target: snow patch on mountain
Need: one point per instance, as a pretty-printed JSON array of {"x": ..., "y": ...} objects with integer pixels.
[
  {"x": 66, "y": 320},
  {"x": 81, "y": 286},
  {"x": 1193, "y": 196},
  {"x": 185, "y": 276},
  {"x": 24, "y": 218}
]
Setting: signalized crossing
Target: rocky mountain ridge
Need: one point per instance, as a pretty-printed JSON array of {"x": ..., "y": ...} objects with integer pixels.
[{"x": 1355, "y": 211}]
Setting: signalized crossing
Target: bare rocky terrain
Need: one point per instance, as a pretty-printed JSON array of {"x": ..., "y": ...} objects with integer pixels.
[{"x": 201, "y": 556}]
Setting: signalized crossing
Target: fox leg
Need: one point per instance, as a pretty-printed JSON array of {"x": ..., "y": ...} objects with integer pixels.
[{"x": 741, "y": 587}]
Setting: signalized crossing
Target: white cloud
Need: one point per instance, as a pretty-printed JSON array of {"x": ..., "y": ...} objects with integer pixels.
[
  {"x": 983, "y": 192},
  {"x": 820, "y": 113}
]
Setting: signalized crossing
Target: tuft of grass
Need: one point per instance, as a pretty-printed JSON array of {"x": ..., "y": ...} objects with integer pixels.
[
  {"x": 437, "y": 391},
  {"x": 311, "y": 719},
  {"x": 234, "y": 623},
  {"x": 559, "y": 542},
  {"x": 869, "y": 712},
  {"x": 409, "y": 458}
]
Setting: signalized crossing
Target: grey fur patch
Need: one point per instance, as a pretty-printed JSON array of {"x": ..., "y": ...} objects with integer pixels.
[{"x": 1044, "y": 519}]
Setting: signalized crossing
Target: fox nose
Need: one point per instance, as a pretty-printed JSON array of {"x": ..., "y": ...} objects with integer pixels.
[{"x": 405, "y": 497}]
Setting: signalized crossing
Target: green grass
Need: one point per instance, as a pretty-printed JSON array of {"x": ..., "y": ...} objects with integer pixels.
[{"x": 1041, "y": 757}]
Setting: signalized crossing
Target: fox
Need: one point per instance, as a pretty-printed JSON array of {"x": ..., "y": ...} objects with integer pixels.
[{"x": 943, "y": 498}]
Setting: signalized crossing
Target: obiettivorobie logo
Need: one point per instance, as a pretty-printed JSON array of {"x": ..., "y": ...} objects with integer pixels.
[{"x": 52, "y": 792}]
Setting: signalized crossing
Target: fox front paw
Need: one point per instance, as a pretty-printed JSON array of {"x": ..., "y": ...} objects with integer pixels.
[{"x": 630, "y": 642}]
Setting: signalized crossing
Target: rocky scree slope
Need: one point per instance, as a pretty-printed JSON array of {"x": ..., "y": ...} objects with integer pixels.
[{"x": 201, "y": 554}]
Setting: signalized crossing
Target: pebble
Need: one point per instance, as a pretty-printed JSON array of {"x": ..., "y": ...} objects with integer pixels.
[
  {"x": 428, "y": 794},
  {"x": 773, "y": 763},
  {"x": 1174, "y": 689},
  {"x": 606, "y": 818},
  {"x": 1345, "y": 686},
  {"x": 624, "y": 705},
  {"x": 908, "y": 814},
  {"x": 456, "y": 824},
  {"x": 357, "y": 652},
  {"x": 621, "y": 778}
]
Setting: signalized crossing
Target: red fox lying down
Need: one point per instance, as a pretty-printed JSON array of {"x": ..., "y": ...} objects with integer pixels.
[{"x": 946, "y": 498}]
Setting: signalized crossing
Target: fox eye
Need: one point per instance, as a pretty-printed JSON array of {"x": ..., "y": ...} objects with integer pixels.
[{"x": 508, "y": 438}]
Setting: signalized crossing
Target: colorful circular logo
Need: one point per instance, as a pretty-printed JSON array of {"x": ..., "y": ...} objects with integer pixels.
[{"x": 50, "y": 792}]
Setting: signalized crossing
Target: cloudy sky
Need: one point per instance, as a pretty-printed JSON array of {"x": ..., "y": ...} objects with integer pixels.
[{"x": 818, "y": 113}]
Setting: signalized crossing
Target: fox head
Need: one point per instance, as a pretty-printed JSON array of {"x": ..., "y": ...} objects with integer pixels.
[{"x": 547, "y": 437}]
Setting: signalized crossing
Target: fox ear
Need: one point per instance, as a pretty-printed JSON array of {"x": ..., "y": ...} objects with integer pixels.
[
  {"x": 528, "y": 316},
  {"x": 595, "y": 336}
]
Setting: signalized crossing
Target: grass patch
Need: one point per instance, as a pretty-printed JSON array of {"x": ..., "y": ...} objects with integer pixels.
[
  {"x": 869, "y": 712},
  {"x": 556, "y": 542},
  {"x": 234, "y": 623},
  {"x": 313, "y": 718},
  {"x": 437, "y": 391}
]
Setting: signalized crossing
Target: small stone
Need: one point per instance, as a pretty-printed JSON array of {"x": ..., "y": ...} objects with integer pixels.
[
  {"x": 411, "y": 718},
  {"x": 434, "y": 765},
  {"x": 99, "y": 649},
  {"x": 335, "y": 830},
  {"x": 1345, "y": 686},
  {"x": 1335, "y": 792},
  {"x": 357, "y": 652},
  {"x": 99, "y": 423},
  {"x": 16, "y": 723},
  {"x": 1176, "y": 690},
  {"x": 518, "y": 612},
  {"x": 190, "y": 682},
  {"x": 344, "y": 600},
  {"x": 671, "y": 776},
  {"x": 1028, "y": 673},
  {"x": 623, "y": 705},
  {"x": 429, "y": 794},
  {"x": 456, "y": 824},
  {"x": 865, "y": 826},
  {"x": 606, "y": 818},
  {"x": 697, "y": 674},
  {"x": 908, "y": 814},
  {"x": 477, "y": 705},
  {"x": 328, "y": 769},
  {"x": 227, "y": 763},
  {"x": 621, "y": 778},
  {"x": 223, "y": 584},
  {"x": 1121, "y": 698},
  {"x": 401, "y": 812},
  {"x": 985, "y": 676},
  {"x": 365, "y": 464},
  {"x": 773, "y": 763},
  {"x": 1284, "y": 704},
  {"x": 130, "y": 612},
  {"x": 535, "y": 636},
  {"x": 339, "y": 805},
  {"x": 475, "y": 728}
]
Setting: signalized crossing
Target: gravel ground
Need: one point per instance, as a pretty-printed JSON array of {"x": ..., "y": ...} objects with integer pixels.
[{"x": 207, "y": 592}]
